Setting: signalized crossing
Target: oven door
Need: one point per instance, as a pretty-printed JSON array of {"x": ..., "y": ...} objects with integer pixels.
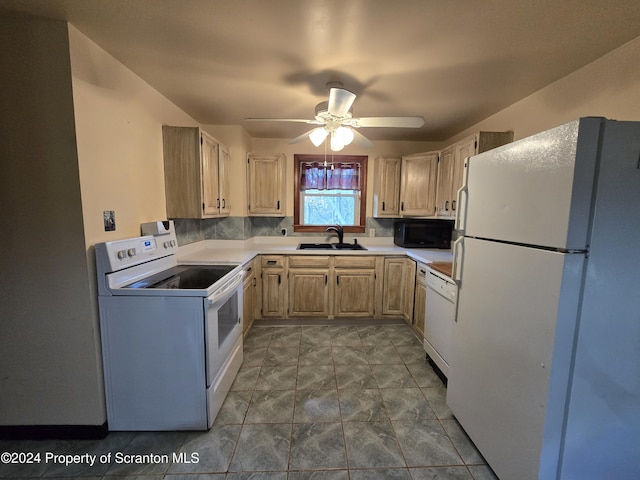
[{"x": 223, "y": 326}]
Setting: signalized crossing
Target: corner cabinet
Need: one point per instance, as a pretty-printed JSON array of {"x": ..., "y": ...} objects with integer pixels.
[
  {"x": 451, "y": 166},
  {"x": 418, "y": 185},
  {"x": 196, "y": 173},
  {"x": 266, "y": 185}
]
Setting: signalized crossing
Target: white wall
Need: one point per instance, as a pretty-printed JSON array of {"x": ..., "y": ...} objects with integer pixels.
[
  {"x": 49, "y": 367},
  {"x": 118, "y": 119},
  {"x": 608, "y": 87}
]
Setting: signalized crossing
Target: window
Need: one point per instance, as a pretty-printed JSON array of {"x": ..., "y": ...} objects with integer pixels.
[{"x": 329, "y": 191}]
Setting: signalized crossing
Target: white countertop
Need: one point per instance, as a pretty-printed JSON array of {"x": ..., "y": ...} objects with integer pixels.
[{"x": 242, "y": 251}]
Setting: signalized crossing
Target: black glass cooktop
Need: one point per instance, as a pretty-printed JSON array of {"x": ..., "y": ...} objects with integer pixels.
[{"x": 185, "y": 277}]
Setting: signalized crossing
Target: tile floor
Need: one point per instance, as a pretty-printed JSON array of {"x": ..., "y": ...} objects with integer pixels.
[{"x": 310, "y": 402}]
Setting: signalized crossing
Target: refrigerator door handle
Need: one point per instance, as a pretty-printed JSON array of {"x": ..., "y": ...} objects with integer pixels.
[
  {"x": 456, "y": 274},
  {"x": 458, "y": 250},
  {"x": 461, "y": 211}
]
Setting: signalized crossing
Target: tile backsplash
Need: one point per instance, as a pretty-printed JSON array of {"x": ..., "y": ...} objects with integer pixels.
[{"x": 243, "y": 228}]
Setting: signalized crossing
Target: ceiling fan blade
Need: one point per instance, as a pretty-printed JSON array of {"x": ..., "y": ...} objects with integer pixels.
[
  {"x": 340, "y": 101},
  {"x": 360, "y": 140},
  {"x": 299, "y": 120},
  {"x": 304, "y": 136},
  {"x": 400, "y": 122}
]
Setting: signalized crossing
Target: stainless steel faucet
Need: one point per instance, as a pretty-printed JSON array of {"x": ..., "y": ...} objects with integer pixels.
[{"x": 339, "y": 231}]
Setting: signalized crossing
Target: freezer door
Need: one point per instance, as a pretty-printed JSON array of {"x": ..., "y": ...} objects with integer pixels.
[
  {"x": 536, "y": 191},
  {"x": 512, "y": 340}
]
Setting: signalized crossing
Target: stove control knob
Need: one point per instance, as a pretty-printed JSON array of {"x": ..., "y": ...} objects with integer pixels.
[
  {"x": 131, "y": 252},
  {"x": 166, "y": 244},
  {"x": 173, "y": 243},
  {"x": 122, "y": 254}
]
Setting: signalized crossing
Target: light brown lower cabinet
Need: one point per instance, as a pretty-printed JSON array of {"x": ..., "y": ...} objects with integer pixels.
[
  {"x": 273, "y": 286},
  {"x": 393, "y": 291},
  {"x": 354, "y": 293},
  {"x": 336, "y": 286},
  {"x": 308, "y": 293},
  {"x": 409, "y": 289}
]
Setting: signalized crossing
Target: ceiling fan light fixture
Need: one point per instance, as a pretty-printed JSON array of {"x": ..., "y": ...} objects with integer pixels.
[
  {"x": 318, "y": 135},
  {"x": 344, "y": 135},
  {"x": 336, "y": 144}
]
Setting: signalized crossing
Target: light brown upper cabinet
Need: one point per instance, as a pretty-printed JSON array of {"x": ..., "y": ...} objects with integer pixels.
[
  {"x": 196, "y": 173},
  {"x": 418, "y": 185},
  {"x": 451, "y": 166},
  {"x": 386, "y": 187},
  {"x": 265, "y": 185}
]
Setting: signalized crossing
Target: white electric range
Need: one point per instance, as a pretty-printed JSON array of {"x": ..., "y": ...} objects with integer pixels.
[{"x": 171, "y": 334}]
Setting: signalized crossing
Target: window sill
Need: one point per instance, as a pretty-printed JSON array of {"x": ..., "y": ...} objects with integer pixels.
[{"x": 323, "y": 228}]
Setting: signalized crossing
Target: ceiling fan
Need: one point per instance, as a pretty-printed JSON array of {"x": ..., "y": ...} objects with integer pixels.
[{"x": 335, "y": 120}]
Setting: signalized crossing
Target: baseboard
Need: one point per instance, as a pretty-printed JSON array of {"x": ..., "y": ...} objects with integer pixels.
[
  {"x": 53, "y": 432},
  {"x": 324, "y": 321},
  {"x": 441, "y": 376}
]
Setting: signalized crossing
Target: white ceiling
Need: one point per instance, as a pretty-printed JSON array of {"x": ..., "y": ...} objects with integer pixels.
[{"x": 454, "y": 62}]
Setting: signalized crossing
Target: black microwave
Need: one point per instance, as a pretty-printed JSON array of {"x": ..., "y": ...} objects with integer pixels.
[{"x": 423, "y": 233}]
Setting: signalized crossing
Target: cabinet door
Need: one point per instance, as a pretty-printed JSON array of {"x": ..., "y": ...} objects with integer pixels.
[
  {"x": 419, "y": 308},
  {"x": 393, "y": 286},
  {"x": 418, "y": 185},
  {"x": 224, "y": 161},
  {"x": 409, "y": 288},
  {"x": 308, "y": 292},
  {"x": 463, "y": 149},
  {"x": 386, "y": 187},
  {"x": 210, "y": 179},
  {"x": 354, "y": 293},
  {"x": 446, "y": 173},
  {"x": 265, "y": 189},
  {"x": 273, "y": 299}
]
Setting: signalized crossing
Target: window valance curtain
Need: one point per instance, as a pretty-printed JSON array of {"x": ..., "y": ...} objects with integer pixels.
[{"x": 336, "y": 176}]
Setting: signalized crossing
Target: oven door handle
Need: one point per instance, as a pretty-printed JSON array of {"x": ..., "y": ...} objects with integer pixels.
[{"x": 226, "y": 291}]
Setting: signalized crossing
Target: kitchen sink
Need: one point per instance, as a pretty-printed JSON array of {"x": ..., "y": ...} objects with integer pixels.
[{"x": 330, "y": 246}]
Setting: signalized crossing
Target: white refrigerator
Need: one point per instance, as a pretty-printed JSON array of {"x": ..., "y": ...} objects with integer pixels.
[{"x": 545, "y": 364}]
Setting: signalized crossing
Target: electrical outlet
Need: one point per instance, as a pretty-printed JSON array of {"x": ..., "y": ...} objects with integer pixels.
[
  {"x": 109, "y": 217},
  {"x": 372, "y": 232}
]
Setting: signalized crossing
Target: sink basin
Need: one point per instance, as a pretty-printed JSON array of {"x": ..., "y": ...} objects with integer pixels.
[
  {"x": 315, "y": 246},
  {"x": 348, "y": 246},
  {"x": 330, "y": 246}
]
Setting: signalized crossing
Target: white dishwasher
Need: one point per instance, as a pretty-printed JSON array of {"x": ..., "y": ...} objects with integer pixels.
[{"x": 440, "y": 314}]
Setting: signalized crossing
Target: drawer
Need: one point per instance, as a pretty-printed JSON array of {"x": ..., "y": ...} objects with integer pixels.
[
  {"x": 355, "y": 261},
  {"x": 272, "y": 261},
  {"x": 248, "y": 270},
  {"x": 312, "y": 261}
]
